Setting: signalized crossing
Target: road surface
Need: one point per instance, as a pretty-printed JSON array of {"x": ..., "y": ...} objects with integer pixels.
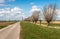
[{"x": 10, "y": 32}]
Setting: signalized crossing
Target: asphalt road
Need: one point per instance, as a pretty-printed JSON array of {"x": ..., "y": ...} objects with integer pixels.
[{"x": 10, "y": 32}]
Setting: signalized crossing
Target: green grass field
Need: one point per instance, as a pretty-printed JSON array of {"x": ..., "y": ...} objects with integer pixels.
[{"x": 33, "y": 31}]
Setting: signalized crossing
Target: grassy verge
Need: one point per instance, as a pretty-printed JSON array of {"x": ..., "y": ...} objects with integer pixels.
[
  {"x": 2, "y": 27},
  {"x": 52, "y": 24},
  {"x": 32, "y": 31}
]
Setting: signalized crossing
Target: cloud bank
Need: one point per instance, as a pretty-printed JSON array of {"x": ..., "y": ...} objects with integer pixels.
[{"x": 15, "y": 13}]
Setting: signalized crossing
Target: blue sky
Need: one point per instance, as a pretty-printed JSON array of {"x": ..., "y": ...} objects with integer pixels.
[{"x": 16, "y": 9}]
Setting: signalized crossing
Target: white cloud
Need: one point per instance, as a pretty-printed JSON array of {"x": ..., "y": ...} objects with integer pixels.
[
  {"x": 16, "y": 10},
  {"x": 9, "y": 13},
  {"x": 3, "y": 11},
  {"x": 1, "y": 14},
  {"x": 3, "y": 5},
  {"x": 58, "y": 11},
  {"x": 2, "y": 1},
  {"x": 34, "y": 8},
  {"x": 58, "y": 14}
]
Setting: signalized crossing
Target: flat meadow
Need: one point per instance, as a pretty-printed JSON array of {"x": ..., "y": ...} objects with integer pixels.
[{"x": 6, "y": 23}]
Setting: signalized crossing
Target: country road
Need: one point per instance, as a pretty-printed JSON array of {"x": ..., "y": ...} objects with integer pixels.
[{"x": 10, "y": 32}]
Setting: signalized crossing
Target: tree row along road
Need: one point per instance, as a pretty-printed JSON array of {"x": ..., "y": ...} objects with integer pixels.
[{"x": 10, "y": 32}]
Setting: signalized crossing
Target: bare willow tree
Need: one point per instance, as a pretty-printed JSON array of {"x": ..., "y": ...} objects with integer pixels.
[
  {"x": 35, "y": 16},
  {"x": 49, "y": 12}
]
